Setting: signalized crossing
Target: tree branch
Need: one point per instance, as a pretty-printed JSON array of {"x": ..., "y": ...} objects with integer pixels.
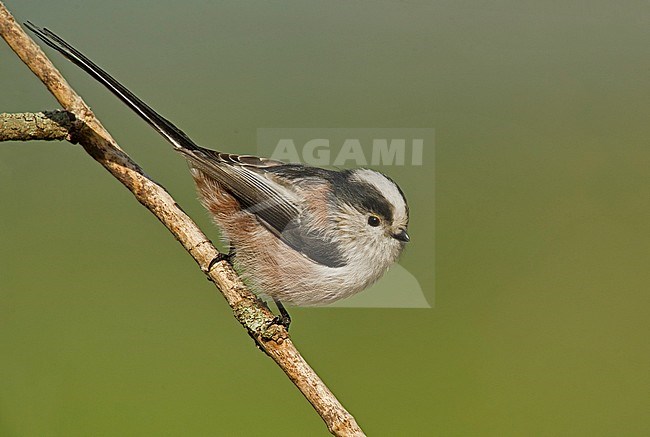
[
  {"x": 47, "y": 126},
  {"x": 98, "y": 143}
]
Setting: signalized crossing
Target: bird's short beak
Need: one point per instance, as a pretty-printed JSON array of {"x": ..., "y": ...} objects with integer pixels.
[{"x": 402, "y": 236}]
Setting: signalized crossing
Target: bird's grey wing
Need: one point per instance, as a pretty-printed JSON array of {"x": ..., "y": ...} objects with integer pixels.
[
  {"x": 314, "y": 245},
  {"x": 269, "y": 201},
  {"x": 267, "y": 189}
]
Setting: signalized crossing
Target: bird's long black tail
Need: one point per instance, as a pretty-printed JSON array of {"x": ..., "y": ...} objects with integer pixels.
[{"x": 174, "y": 135}]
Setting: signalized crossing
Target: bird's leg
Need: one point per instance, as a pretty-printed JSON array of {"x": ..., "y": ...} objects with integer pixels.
[{"x": 284, "y": 318}]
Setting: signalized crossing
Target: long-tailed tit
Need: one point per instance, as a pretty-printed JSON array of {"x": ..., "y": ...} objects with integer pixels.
[{"x": 298, "y": 234}]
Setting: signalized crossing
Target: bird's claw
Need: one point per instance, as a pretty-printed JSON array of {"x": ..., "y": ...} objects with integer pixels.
[
  {"x": 220, "y": 257},
  {"x": 283, "y": 318}
]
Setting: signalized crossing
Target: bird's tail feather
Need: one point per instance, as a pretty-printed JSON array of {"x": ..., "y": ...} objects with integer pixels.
[{"x": 166, "y": 128}]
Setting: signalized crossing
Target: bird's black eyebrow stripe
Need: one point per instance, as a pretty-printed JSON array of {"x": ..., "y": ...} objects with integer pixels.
[{"x": 363, "y": 196}]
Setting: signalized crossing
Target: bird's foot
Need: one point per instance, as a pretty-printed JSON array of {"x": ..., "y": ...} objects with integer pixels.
[
  {"x": 220, "y": 257},
  {"x": 283, "y": 318}
]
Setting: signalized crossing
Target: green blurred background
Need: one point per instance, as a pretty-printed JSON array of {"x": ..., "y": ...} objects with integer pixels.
[{"x": 540, "y": 318}]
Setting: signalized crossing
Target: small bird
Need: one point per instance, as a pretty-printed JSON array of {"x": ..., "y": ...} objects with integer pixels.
[{"x": 299, "y": 235}]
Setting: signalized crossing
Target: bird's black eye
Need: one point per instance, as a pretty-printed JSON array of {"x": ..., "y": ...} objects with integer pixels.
[{"x": 373, "y": 221}]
